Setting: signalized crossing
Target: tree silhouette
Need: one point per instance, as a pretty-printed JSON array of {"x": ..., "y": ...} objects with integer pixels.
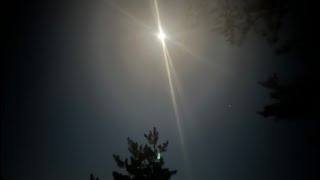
[
  {"x": 293, "y": 100},
  {"x": 286, "y": 24},
  {"x": 146, "y": 162},
  {"x": 92, "y": 177}
]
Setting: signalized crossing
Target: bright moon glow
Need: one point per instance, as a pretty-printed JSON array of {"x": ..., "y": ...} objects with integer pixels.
[{"x": 161, "y": 36}]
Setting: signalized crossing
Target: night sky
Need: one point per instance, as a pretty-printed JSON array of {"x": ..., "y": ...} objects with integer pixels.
[{"x": 82, "y": 76}]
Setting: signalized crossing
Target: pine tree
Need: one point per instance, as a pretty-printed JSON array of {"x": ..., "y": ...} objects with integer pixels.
[{"x": 145, "y": 162}]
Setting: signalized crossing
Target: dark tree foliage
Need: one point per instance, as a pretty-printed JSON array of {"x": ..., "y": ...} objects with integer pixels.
[
  {"x": 293, "y": 100},
  {"x": 286, "y": 24},
  {"x": 92, "y": 177},
  {"x": 144, "y": 163},
  {"x": 296, "y": 100}
]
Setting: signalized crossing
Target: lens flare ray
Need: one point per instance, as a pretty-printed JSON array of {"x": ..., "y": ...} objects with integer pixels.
[{"x": 169, "y": 67}]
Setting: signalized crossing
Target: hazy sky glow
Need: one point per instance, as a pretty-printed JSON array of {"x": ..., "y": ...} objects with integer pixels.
[{"x": 90, "y": 74}]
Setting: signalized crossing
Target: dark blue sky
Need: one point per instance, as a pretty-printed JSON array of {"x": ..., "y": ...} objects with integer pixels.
[{"x": 84, "y": 76}]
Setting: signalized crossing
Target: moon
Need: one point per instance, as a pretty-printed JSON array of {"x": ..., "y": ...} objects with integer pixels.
[{"x": 161, "y": 36}]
